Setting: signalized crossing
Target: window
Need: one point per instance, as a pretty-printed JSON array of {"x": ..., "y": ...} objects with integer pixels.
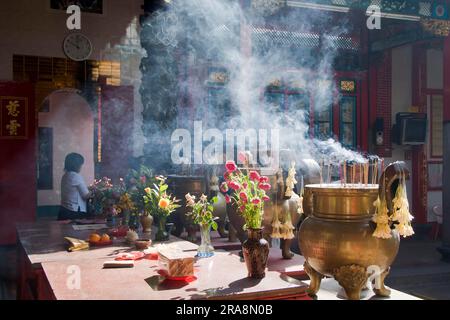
[
  {"x": 323, "y": 123},
  {"x": 347, "y": 106},
  {"x": 437, "y": 129}
]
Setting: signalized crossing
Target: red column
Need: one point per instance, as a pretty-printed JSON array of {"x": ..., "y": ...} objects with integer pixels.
[
  {"x": 419, "y": 157},
  {"x": 445, "y": 248}
]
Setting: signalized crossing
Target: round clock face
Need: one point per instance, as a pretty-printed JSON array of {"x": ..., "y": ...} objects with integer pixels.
[{"x": 77, "y": 47}]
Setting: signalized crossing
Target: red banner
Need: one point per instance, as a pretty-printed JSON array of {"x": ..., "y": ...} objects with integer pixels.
[{"x": 13, "y": 118}]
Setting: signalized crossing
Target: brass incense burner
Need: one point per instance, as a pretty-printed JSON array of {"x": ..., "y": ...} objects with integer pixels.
[{"x": 337, "y": 239}]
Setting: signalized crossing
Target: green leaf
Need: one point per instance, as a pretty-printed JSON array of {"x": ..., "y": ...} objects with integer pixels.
[{"x": 214, "y": 226}]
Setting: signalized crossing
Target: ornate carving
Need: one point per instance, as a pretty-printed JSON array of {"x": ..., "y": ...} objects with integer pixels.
[
  {"x": 436, "y": 27},
  {"x": 352, "y": 278},
  {"x": 316, "y": 279}
]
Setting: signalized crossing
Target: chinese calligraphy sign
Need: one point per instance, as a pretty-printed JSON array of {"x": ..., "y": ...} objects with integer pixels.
[{"x": 13, "y": 118}]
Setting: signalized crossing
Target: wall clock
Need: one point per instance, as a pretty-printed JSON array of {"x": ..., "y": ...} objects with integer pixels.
[{"x": 77, "y": 46}]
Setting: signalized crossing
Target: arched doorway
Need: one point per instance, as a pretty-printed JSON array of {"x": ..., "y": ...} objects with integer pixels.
[{"x": 65, "y": 125}]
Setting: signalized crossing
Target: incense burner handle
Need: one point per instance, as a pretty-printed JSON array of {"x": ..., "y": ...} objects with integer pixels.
[
  {"x": 308, "y": 202},
  {"x": 389, "y": 181}
]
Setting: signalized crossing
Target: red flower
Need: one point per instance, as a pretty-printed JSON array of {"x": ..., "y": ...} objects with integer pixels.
[
  {"x": 242, "y": 208},
  {"x": 227, "y": 199},
  {"x": 263, "y": 179},
  {"x": 224, "y": 187},
  {"x": 231, "y": 166},
  {"x": 254, "y": 176},
  {"x": 227, "y": 176},
  {"x": 264, "y": 186},
  {"x": 266, "y": 198},
  {"x": 243, "y": 197},
  {"x": 234, "y": 185},
  {"x": 245, "y": 185},
  {"x": 242, "y": 157},
  {"x": 256, "y": 201}
]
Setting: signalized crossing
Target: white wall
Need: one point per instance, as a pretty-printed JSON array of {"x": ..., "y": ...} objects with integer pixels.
[
  {"x": 32, "y": 28},
  {"x": 435, "y": 80},
  {"x": 401, "y": 99},
  {"x": 72, "y": 121}
]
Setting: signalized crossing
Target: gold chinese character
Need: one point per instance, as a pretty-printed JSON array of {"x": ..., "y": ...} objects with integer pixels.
[
  {"x": 12, "y": 108},
  {"x": 12, "y": 127}
]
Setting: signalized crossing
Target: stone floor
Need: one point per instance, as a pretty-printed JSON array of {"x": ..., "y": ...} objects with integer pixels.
[{"x": 418, "y": 270}]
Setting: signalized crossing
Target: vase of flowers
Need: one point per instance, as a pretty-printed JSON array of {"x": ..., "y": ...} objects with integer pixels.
[
  {"x": 138, "y": 181},
  {"x": 248, "y": 195},
  {"x": 105, "y": 199},
  {"x": 202, "y": 214},
  {"x": 160, "y": 204}
]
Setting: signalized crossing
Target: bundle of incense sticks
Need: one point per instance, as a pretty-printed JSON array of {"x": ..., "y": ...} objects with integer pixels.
[
  {"x": 366, "y": 173},
  {"x": 321, "y": 172},
  {"x": 329, "y": 173},
  {"x": 375, "y": 172},
  {"x": 345, "y": 173},
  {"x": 360, "y": 173}
]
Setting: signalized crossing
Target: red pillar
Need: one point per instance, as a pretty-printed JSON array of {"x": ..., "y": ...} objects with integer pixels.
[
  {"x": 445, "y": 248},
  {"x": 419, "y": 157}
]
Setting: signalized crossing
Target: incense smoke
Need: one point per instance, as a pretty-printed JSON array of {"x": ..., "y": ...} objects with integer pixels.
[{"x": 197, "y": 35}]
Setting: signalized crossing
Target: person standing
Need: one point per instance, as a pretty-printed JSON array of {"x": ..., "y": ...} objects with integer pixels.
[{"x": 74, "y": 192}]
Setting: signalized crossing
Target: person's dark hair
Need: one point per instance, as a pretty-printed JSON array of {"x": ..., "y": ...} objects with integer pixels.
[{"x": 73, "y": 162}]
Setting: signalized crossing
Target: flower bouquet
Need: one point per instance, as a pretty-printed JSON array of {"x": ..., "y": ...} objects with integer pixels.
[
  {"x": 104, "y": 197},
  {"x": 160, "y": 204},
  {"x": 202, "y": 214},
  {"x": 137, "y": 182},
  {"x": 249, "y": 195}
]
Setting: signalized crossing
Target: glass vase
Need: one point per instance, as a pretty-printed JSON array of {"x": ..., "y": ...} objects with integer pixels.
[
  {"x": 162, "y": 234},
  {"x": 205, "y": 250}
]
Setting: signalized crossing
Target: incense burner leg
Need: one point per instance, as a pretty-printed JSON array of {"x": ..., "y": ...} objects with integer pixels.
[
  {"x": 316, "y": 279},
  {"x": 379, "y": 288},
  {"x": 286, "y": 249},
  {"x": 352, "y": 278}
]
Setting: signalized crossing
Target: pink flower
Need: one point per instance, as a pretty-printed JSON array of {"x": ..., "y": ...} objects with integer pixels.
[
  {"x": 243, "y": 197},
  {"x": 242, "y": 208},
  {"x": 245, "y": 185},
  {"x": 256, "y": 201},
  {"x": 227, "y": 176},
  {"x": 264, "y": 186},
  {"x": 263, "y": 179},
  {"x": 234, "y": 185},
  {"x": 254, "y": 176},
  {"x": 242, "y": 157},
  {"x": 143, "y": 179},
  {"x": 266, "y": 198},
  {"x": 224, "y": 187},
  {"x": 227, "y": 199},
  {"x": 231, "y": 166}
]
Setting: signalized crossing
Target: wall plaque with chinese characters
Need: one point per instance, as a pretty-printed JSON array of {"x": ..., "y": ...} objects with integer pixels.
[{"x": 13, "y": 118}]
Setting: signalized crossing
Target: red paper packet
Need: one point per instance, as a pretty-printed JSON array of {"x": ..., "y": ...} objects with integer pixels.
[
  {"x": 130, "y": 256},
  {"x": 187, "y": 279}
]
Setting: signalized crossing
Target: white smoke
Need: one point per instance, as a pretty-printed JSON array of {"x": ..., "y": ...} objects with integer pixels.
[{"x": 218, "y": 33}]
